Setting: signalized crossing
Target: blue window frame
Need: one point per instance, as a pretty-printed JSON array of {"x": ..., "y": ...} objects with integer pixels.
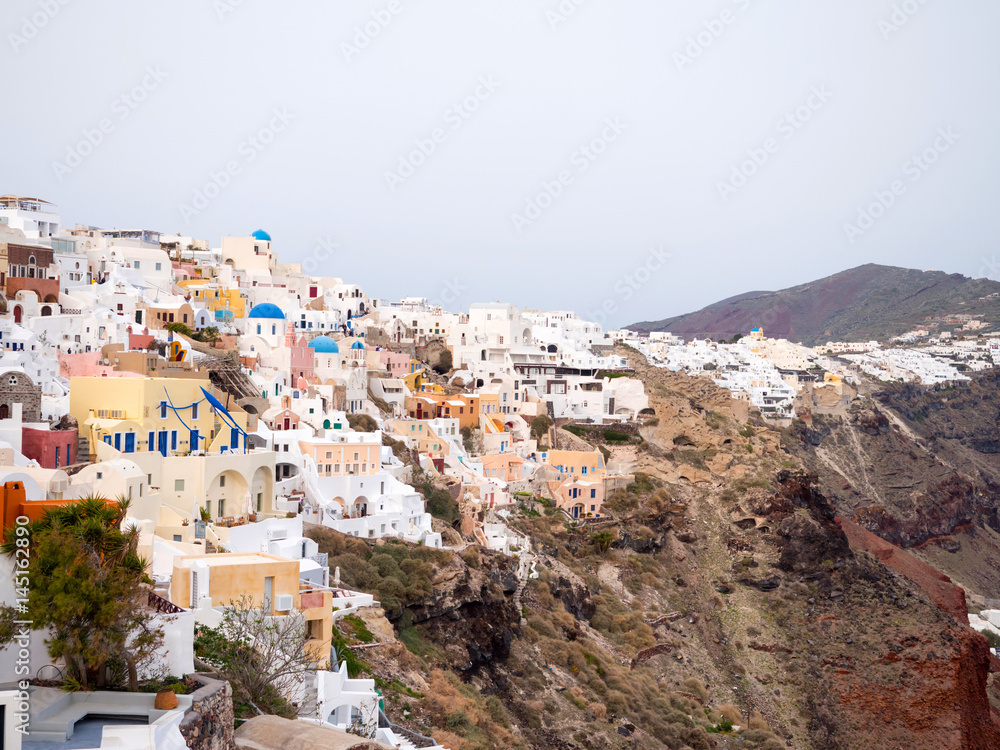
[{"x": 173, "y": 440}]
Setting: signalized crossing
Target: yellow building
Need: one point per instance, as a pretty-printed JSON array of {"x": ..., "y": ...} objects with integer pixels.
[
  {"x": 169, "y": 415},
  {"x": 212, "y": 296},
  {"x": 226, "y": 578}
]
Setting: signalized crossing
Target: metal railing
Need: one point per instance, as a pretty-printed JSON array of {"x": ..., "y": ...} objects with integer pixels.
[{"x": 163, "y": 606}]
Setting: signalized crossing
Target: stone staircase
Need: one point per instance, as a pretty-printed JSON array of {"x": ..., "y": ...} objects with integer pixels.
[
  {"x": 523, "y": 571},
  {"x": 310, "y": 700}
]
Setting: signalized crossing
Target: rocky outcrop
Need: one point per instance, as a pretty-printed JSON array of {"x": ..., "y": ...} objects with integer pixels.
[{"x": 471, "y": 613}]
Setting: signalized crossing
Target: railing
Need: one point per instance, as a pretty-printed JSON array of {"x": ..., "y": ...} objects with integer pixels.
[
  {"x": 418, "y": 740},
  {"x": 163, "y": 606}
]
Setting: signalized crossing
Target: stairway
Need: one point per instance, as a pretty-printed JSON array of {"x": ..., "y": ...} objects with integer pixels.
[
  {"x": 310, "y": 700},
  {"x": 523, "y": 571}
]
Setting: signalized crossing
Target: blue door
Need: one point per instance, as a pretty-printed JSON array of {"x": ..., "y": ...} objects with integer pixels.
[
  {"x": 162, "y": 442},
  {"x": 234, "y": 438},
  {"x": 195, "y": 437},
  {"x": 118, "y": 441},
  {"x": 130, "y": 442}
]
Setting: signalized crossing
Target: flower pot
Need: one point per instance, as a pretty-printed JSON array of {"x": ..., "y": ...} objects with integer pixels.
[{"x": 166, "y": 699}]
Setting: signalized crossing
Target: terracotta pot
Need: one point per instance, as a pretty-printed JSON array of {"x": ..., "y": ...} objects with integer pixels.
[{"x": 165, "y": 700}]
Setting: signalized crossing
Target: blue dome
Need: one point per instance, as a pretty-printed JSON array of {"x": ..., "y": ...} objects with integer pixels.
[
  {"x": 324, "y": 345},
  {"x": 260, "y": 234},
  {"x": 357, "y": 345},
  {"x": 266, "y": 310}
]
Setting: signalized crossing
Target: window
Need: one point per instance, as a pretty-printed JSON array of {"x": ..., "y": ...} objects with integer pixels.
[
  {"x": 260, "y": 501},
  {"x": 222, "y": 507},
  {"x": 593, "y": 493},
  {"x": 222, "y": 481},
  {"x": 163, "y": 410},
  {"x": 178, "y": 485},
  {"x": 100, "y": 475},
  {"x": 194, "y": 411},
  {"x": 159, "y": 266}
]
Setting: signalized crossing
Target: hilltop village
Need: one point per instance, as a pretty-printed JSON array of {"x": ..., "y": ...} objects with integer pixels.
[{"x": 230, "y": 399}]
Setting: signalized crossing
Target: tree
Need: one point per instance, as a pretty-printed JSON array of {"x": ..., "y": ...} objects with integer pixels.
[
  {"x": 210, "y": 335},
  {"x": 263, "y": 655},
  {"x": 87, "y": 582},
  {"x": 602, "y": 540},
  {"x": 540, "y": 426},
  {"x": 179, "y": 328}
]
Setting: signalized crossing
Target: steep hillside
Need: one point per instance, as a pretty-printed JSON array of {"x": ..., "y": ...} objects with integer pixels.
[
  {"x": 863, "y": 303},
  {"x": 919, "y": 467},
  {"x": 723, "y": 605}
]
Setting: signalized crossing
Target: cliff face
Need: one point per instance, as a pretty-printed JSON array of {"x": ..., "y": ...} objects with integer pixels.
[
  {"x": 730, "y": 581},
  {"x": 919, "y": 467},
  {"x": 470, "y": 615}
]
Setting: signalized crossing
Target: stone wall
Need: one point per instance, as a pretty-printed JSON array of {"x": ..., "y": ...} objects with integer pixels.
[
  {"x": 18, "y": 388},
  {"x": 208, "y": 724}
]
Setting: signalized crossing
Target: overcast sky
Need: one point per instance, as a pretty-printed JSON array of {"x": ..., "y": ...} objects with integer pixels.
[{"x": 639, "y": 156}]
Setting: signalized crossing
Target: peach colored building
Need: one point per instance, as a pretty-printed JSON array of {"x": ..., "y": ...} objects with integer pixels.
[
  {"x": 350, "y": 458},
  {"x": 504, "y": 466}
]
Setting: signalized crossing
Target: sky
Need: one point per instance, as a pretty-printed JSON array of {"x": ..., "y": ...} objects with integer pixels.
[{"x": 626, "y": 159}]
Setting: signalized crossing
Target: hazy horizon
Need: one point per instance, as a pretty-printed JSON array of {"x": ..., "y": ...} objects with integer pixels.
[{"x": 568, "y": 154}]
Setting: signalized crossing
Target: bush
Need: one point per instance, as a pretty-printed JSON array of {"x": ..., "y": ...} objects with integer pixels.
[
  {"x": 362, "y": 423},
  {"x": 730, "y": 713},
  {"x": 696, "y": 687}
]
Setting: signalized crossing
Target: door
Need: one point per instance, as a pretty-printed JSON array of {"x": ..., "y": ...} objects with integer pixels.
[
  {"x": 130, "y": 442},
  {"x": 234, "y": 438},
  {"x": 118, "y": 441},
  {"x": 195, "y": 437},
  {"x": 161, "y": 442}
]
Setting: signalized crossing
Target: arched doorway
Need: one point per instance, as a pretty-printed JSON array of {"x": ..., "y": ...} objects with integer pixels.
[
  {"x": 4, "y": 411},
  {"x": 360, "y": 507},
  {"x": 17, "y": 314}
]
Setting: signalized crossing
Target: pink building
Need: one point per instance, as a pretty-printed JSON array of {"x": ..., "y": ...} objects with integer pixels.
[
  {"x": 302, "y": 362},
  {"x": 397, "y": 363}
]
